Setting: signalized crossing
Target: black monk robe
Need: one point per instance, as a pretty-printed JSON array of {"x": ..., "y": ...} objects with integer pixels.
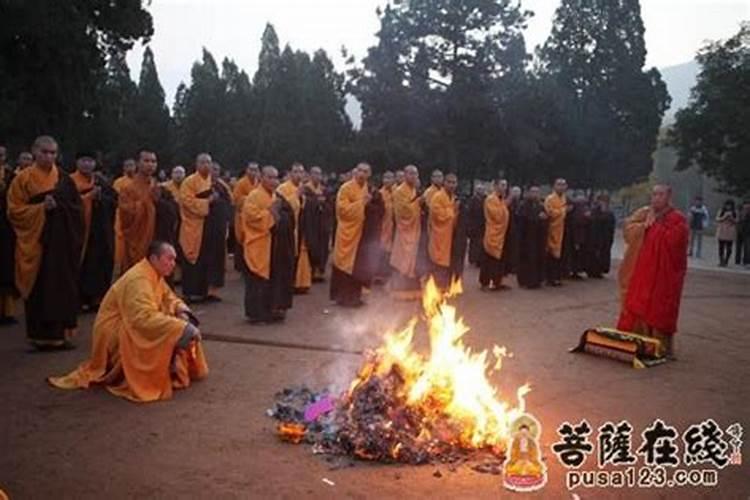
[
  {"x": 98, "y": 261},
  {"x": 532, "y": 241}
]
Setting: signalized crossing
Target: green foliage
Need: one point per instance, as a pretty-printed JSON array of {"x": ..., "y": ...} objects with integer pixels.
[{"x": 714, "y": 130}]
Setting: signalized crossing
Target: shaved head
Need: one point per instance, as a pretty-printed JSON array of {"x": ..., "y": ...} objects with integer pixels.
[
  {"x": 203, "y": 163},
  {"x": 45, "y": 151},
  {"x": 411, "y": 175}
]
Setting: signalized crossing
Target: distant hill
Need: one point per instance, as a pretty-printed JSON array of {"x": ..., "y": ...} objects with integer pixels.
[{"x": 679, "y": 79}]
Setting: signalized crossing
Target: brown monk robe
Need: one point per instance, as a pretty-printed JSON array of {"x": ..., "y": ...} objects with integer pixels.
[
  {"x": 216, "y": 231},
  {"x": 293, "y": 192},
  {"x": 496, "y": 217},
  {"x": 532, "y": 240},
  {"x": 475, "y": 225},
  {"x": 99, "y": 202},
  {"x": 45, "y": 210},
  {"x": 137, "y": 211},
  {"x": 407, "y": 214},
  {"x": 241, "y": 189},
  {"x": 196, "y": 198},
  {"x": 128, "y": 172},
  {"x": 443, "y": 215},
  {"x": 387, "y": 226},
  {"x": 8, "y": 292},
  {"x": 268, "y": 232},
  {"x": 351, "y": 201},
  {"x": 144, "y": 344},
  {"x": 556, "y": 207},
  {"x": 314, "y": 226}
]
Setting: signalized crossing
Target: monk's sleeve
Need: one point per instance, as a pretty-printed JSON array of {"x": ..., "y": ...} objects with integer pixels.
[
  {"x": 635, "y": 226},
  {"x": 172, "y": 302},
  {"x": 442, "y": 209},
  {"x": 256, "y": 219},
  {"x": 189, "y": 201},
  {"x": 553, "y": 211},
  {"x": 144, "y": 316},
  {"x": 348, "y": 208},
  {"x": 494, "y": 214},
  {"x": 27, "y": 218},
  {"x": 404, "y": 209}
]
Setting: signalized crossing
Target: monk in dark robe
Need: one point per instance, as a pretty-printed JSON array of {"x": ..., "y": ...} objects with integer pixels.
[
  {"x": 575, "y": 241},
  {"x": 293, "y": 191},
  {"x": 601, "y": 238},
  {"x": 510, "y": 253},
  {"x": 532, "y": 240},
  {"x": 216, "y": 230},
  {"x": 351, "y": 205},
  {"x": 8, "y": 292},
  {"x": 99, "y": 202},
  {"x": 653, "y": 269},
  {"x": 368, "y": 260},
  {"x": 241, "y": 189},
  {"x": 44, "y": 208},
  {"x": 407, "y": 213},
  {"x": 460, "y": 241},
  {"x": 313, "y": 225},
  {"x": 496, "y": 216},
  {"x": 475, "y": 224},
  {"x": 268, "y": 232}
]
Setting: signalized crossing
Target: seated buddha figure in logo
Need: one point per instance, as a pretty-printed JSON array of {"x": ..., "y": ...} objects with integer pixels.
[{"x": 523, "y": 469}]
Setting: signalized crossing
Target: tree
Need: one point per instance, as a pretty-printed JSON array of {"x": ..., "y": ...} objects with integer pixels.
[
  {"x": 53, "y": 57},
  {"x": 608, "y": 109},
  {"x": 713, "y": 131},
  {"x": 151, "y": 113}
]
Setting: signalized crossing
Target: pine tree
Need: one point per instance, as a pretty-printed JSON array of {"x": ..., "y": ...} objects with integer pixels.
[{"x": 151, "y": 112}]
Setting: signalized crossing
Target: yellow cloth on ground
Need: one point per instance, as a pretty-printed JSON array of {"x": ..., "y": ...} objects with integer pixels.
[
  {"x": 495, "y": 225},
  {"x": 28, "y": 220},
  {"x": 555, "y": 205},
  {"x": 134, "y": 342},
  {"x": 350, "y": 221},
  {"x": 257, "y": 222},
  {"x": 442, "y": 220},
  {"x": 193, "y": 213},
  {"x": 407, "y": 214}
]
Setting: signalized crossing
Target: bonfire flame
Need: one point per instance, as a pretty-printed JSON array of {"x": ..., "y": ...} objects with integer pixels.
[{"x": 445, "y": 398}]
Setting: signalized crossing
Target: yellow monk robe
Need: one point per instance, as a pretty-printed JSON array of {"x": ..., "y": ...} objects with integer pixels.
[
  {"x": 28, "y": 222},
  {"x": 429, "y": 193},
  {"x": 442, "y": 220},
  {"x": 386, "y": 229},
  {"x": 303, "y": 276},
  {"x": 193, "y": 213},
  {"x": 555, "y": 205},
  {"x": 134, "y": 342},
  {"x": 633, "y": 231},
  {"x": 241, "y": 189},
  {"x": 118, "y": 186},
  {"x": 407, "y": 217},
  {"x": 137, "y": 212},
  {"x": 85, "y": 187},
  {"x": 496, "y": 225},
  {"x": 173, "y": 188},
  {"x": 257, "y": 223},
  {"x": 350, "y": 215}
]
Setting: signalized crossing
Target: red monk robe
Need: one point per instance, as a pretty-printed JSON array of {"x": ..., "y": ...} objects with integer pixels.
[{"x": 659, "y": 262}]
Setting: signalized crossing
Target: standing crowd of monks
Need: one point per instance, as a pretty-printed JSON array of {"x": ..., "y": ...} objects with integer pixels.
[{"x": 64, "y": 237}]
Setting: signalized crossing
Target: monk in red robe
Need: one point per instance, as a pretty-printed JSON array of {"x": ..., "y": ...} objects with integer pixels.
[{"x": 653, "y": 269}]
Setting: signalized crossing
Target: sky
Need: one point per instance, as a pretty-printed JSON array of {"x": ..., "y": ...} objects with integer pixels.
[{"x": 675, "y": 29}]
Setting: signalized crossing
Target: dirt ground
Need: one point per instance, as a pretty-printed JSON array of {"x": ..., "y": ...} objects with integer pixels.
[{"x": 215, "y": 440}]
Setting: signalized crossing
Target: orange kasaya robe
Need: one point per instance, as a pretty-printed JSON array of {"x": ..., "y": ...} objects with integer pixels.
[
  {"x": 241, "y": 189},
  {"x": 85, "y": 187},
  {"x": 28, "y": 222},
  {"x": 429, "y": 193},
  {"x": 350, "y": 221},
  {"x": 303, "y": 274},
  {"x": 495, "y": 226},
  {"x": 134, "y": 341},
  {"x": 137, "y": 212},
  {"x": 118, "y": 186},
  {"x": 407, "y": 214},
  {"x": 257, "y": 222},
  {"x": 555, "y": 205},
  {"x": 442, "y": 220},
  {"x": 654, "y": 271},
  {"x": 193, "y": 213},
  {"x": 386, "y": 229},
  {"x": 173, "y": 188}
]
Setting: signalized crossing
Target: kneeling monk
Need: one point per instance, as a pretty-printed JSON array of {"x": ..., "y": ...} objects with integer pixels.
[{"x": 144, "y": 344}]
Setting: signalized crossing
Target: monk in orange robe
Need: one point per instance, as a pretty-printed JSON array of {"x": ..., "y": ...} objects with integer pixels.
[
  {"x": 128, "y": 172},
  {"x": 8, "y": 292},
  {"x": 173, "y": 184},
  {"x": 293, "y": 191},
  {"x": 145, "y": 341},
  {"x": 99, "y": 204},
  {"x": 407, "y": 213},
  {"x": 496, "y": 220},
  {"x": 653, "y": 269},
  {"x": 268, "y": 230},
  {"x": 44, "y": 209},
  {"x": 137, "y": 210},
  {"x": 443, "y": 216},
  {"x": 557, "y": 208},
  {"x": 351, "y": 202},
  {"x": 436, "y": 184},
  {"x": 241, "y": 189},
  {"x": 387, "y": 227}
]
